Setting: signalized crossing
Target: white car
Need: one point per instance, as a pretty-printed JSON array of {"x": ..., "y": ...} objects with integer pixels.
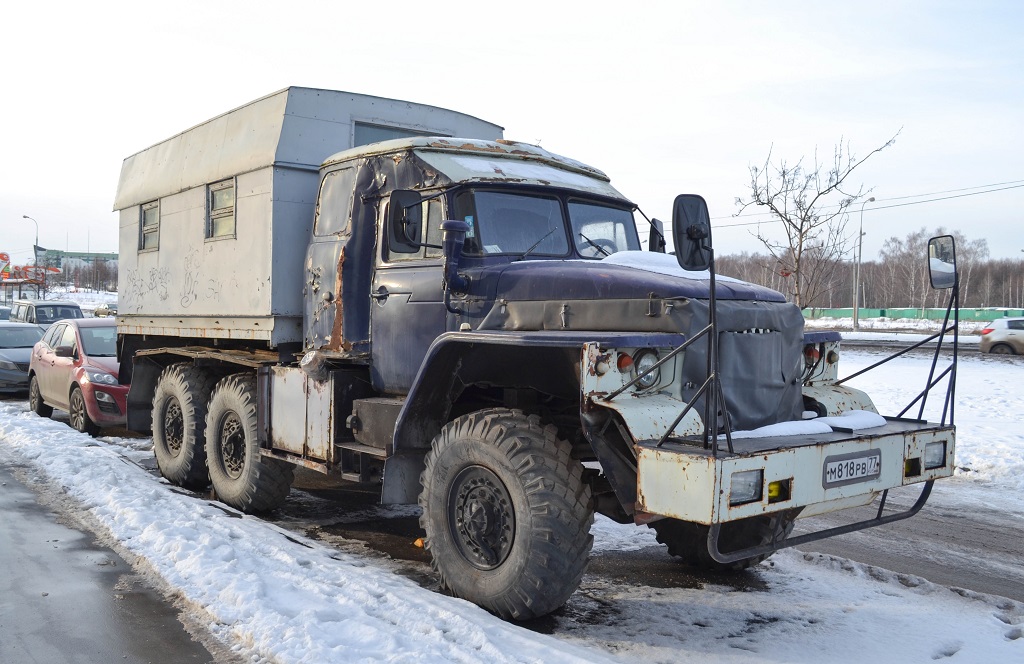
[{"x": 1003, "y": 336}]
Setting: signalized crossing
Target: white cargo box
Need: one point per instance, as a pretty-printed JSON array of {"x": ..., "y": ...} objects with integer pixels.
[{"x": 228, "y": 206}]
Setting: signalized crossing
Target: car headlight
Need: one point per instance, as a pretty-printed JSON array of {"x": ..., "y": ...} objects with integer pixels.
[
  {"x": 644, "y": 360},
  {"x": 99, "y": 377},
  {"x": 9, "y": 366},
  {"x": 935, "y": 455},
  {"x": 746, "y": 487}
]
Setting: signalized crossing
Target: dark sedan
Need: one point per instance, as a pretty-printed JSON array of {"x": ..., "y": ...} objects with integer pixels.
[
  {"x": 16, "y": 342},
  {"x": 74, "y": 368}
]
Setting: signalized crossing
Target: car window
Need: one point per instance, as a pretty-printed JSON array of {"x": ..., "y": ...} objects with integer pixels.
[
  {"x": 68, "y": 338},
  {"x": 68, "y": 312},
  {"x": 1016, "y": 324},
  {"x": 19, "y": 337},
  {"x": 53, "y": 335}
]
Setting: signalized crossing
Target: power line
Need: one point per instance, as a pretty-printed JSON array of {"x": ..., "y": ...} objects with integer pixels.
[{"x": 880, "y": 207}]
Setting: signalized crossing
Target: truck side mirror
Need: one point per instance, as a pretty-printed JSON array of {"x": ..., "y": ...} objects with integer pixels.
[
  {"x": 453, "y": 235},
  {"x": 691, "y": 232},
  {"x": 657, "y": 237},
  {"x": 942, "y": 261},
  {"x": 405, "y": 221}
]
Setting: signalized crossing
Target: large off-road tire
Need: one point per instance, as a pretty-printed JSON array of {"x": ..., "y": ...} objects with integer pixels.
[
  {"x": 179, "y": 424},
  {"x": 241, "y": 476},
  {"x": 35, "y": 399},
  {"x": 78, "y": 415},
  {"x": 689, "y": 541},
  {"x": 506, "y": 513}
]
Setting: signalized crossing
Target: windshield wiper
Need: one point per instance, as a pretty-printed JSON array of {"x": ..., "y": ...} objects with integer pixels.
[
  {"x": 537, "y": 244},
  {"x": 595, "y": 245}
]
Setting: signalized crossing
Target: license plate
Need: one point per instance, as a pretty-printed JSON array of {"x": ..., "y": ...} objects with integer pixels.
[{"x": 845, "y": 469}]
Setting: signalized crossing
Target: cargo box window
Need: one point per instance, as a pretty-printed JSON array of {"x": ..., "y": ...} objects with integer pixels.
[
  {"x": 366, "y": 133},
  {"x": 149, "y": 226},
  {"x": 221, "y": 206}
]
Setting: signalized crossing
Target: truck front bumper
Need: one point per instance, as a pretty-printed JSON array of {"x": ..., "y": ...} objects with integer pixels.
[{"x": 811, "y": 474}]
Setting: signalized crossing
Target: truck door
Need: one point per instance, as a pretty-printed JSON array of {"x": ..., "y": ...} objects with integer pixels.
[
  {"x": 332, "y": 228},
  {"x": 408, "y": 311}
]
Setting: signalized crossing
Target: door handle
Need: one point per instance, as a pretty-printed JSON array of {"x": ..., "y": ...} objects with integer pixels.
[{"x": 381, "y": 295}]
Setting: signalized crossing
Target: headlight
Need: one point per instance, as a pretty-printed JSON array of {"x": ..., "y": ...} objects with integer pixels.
[
  {"x": 99, "y": 377},
  {"x": 934, "y": 455},
  {"x": 644, "y": 360},
  {"x": 9, "y": 366},
  {"x": 746, "y": 487}
]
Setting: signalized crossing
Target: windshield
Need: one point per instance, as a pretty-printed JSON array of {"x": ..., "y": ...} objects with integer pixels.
[
  {"x": 599, "y": 230},
  {"x": 506, "y": 223},
  {"x": 99, "y": 341},
  {"x": 522, "y": 224},
  {"x": 19, "y": 337}
]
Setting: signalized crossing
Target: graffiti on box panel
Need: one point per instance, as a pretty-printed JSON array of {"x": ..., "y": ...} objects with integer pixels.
[{"x": 190, "y": 277}]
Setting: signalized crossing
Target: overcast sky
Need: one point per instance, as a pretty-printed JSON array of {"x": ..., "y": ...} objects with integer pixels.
[{"x": 666, "y": 97}]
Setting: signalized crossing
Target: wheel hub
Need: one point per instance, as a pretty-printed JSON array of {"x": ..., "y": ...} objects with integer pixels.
[
  {"x": 482, "y": 517},
  {"x": 174, "y": 426},
  {"x": 232, "y": 445}
]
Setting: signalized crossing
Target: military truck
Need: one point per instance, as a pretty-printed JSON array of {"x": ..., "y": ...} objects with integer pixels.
[{"x": 392, "y": 293}]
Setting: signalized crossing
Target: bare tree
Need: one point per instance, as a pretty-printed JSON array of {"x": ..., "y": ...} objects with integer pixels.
[{"x": 813, "y": 220}]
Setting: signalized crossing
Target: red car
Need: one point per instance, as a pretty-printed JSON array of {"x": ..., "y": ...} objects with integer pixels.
[{"x": 74, "y": 368}]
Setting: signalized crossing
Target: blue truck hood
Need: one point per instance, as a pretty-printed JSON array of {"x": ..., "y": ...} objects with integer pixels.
[{"x": 627, "y": 274}]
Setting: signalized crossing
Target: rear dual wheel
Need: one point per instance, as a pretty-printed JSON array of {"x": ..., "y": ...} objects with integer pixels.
[
  {"x": 241, "y": 476},
  {"x": 179, "y": 424}
]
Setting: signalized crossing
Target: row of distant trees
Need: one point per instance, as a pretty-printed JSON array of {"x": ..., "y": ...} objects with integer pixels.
[
  {"x": 897, "y": 278},
  {"x": 809, "y": 251},
  {"x": 99, "y": 275}
]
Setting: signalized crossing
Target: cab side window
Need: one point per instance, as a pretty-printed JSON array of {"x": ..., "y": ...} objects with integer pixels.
[
  {"x": 334, "y": 205},
  {"x": 430, "y": 233}
]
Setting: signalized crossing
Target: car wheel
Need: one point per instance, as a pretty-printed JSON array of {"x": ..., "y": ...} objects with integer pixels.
[
  {"x": 506, "y": 512},
  {"x": 35, "y": 399},
  {"x": 179, "y": 424},
  {"x": 241, "y": 476},
  {"x": 80, "y": 420},
  {"x": 1001, "y": 349}
]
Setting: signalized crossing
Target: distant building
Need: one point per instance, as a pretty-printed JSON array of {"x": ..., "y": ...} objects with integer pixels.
[{"x": 68, "y": 261}]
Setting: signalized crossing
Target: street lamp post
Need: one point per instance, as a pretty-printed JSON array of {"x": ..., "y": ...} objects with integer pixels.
[
  {"x": 856, "y": 272},
  {"x": 35, "y": 250}
]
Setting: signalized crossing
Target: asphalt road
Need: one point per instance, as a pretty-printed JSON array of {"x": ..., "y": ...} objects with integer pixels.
[
  {"x": 65, "y": 598},
  {"x": 949, "y": 542}
]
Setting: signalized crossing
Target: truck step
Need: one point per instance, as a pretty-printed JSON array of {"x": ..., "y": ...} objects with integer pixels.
[{"x": 363, "y": 449}]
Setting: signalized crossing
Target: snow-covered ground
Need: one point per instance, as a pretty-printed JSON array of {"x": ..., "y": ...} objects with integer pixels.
[
  {"x": 271, "y": 595},
  {"x": 88, "y": 300}
]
